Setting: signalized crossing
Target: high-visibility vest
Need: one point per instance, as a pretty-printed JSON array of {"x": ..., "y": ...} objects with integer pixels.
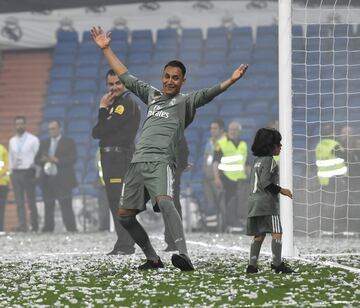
[
  {"x": 4, "y": 166},
  {"x": 99, "y": 168},
  {"x": 233, "y": 160},
  {"x": 328, "y": 165}
]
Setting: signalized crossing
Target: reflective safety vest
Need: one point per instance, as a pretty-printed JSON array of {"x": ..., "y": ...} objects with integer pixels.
[
  {"x": 328, "y": 165},
  {"x": 233, "y": 160},
  {"x": 99, "y": 168},
  {"x": 4, "y": 166}
]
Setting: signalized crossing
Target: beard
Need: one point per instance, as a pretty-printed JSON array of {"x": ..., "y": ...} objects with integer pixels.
[{"x": 20, "y": 131}]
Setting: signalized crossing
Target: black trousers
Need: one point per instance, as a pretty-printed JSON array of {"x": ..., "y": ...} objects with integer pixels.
[
  {"x": 3, "y": 198},
  {"x": 52, "y": 191},
  {"x": 177, "y": 181},
  {"x": 23, "y": 182},
  {"x": 114, "y": 167},
  {"x": 103, "y": 210}
]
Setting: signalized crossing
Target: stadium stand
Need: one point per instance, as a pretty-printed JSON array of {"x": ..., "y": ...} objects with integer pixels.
[{"x": 23, "y": 82}]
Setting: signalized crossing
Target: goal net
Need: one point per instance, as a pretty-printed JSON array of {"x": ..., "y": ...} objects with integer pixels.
[{"x": 326, "y": 117}]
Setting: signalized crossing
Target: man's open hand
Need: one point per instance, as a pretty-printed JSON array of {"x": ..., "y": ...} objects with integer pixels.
[
  {"x": 101, "y": 38},
  {"x": 239, "y": 72}
]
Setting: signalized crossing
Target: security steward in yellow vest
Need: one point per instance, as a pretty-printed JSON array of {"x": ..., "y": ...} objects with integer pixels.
[
  {"x": 329, "y": 161},
  {"x": 231, "y": 175},
  {"x": 332, "y": 176},
  {"x": 118, "y": 122},
  {"x": 4, "y": 182}
]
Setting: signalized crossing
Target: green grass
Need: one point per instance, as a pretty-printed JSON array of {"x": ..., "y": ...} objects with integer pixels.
[{"x": 219, "y": 280}]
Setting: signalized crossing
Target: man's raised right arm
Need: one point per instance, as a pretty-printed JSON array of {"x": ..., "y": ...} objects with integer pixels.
[{"x": 103, "y": 39}]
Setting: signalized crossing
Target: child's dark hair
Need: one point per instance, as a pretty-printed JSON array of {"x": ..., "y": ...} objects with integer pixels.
[{"x": 264, "y": 141}]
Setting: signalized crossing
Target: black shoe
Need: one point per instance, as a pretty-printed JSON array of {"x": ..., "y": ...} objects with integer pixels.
[
  {"x": 170, "y": 248},
  {"x": 117, "y": 252},
  {"x": 282, "y": 268},
  {"x": 251, "y": 269},
  {"x": 182, "y": 262},
  {"x": 149, "y": 264}
]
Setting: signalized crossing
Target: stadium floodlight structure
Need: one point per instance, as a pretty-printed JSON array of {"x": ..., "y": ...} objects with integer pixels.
[{"x": 319, "y": 99}]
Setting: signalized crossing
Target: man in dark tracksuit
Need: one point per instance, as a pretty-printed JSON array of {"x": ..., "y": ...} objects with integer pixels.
[
  {"x": 118, "y": 122},
  {"x": 182, "y": 164}
]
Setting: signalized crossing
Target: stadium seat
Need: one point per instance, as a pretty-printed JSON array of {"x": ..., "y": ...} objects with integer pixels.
[
  {"x": 191, "y": 56},
  {"x": 57, "y": 99},
  {"x": 215, "y": 56},
  {"x": 90, "y": 59},
  {"x": 61, "y": 71},
  {"x": 60, "y": 86},
  {"x": 86, "y": 85},
  {"x": 239, "y": 56},
  {"x": 119, "y": 35},
  {"x": 64, "y": 59},
  {"x": 139, "y": 57},
  {"x": 83, "y": 98},
  {"x": 68, "y": 36},
  {"x": 79, "y": 111},
  {"x": 162, "y": 57},
  {"x": 54, "y": 112},
  {"x": 87, "y": 72},
  {"x": 79, "y": 126},
  {"x": 88, "y": 47},
  {"x": 66, "y": 47},
  {"x": 241, "y": 38}
]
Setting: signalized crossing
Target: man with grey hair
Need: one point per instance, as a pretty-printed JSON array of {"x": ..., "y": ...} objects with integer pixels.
[{"x": 230, "y": 173}]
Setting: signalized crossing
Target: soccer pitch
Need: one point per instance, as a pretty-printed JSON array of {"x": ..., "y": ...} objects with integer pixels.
[{"x": 63, "y": 270}]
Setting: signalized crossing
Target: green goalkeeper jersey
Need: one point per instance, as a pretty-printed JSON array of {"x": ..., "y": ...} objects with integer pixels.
[
  {"x": 167, "y": 117},
  {"x": 265, "y": 171}
]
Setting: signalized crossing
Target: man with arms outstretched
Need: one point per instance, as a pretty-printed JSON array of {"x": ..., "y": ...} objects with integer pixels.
[{"x": 150, "y": 173}]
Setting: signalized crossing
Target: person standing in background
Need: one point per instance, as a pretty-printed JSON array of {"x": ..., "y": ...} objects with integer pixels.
[
  {"x": 118, "y": 122},
  {"x": 4, "y": 183},
  {"x": 57, "y": 157},
  {"x": 22, "y": 151},
  {"x": 212, "y": 194}
]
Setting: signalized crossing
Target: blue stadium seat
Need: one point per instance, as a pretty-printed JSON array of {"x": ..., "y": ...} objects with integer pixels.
[
  {"x": 343, "y": 30},
  {"x": 54, "y": 112},
  {"x": 239, "y": 56},
  {"x": 256, "y": 107},
  {"x": 86, "y": 36},
  {"x": 57, "y": 99},
  {"x": 297, "y": 30},
  {"x": 191, "y": 56},
  {"x": 217, "y": 32},
  {"x": 139, "y": 57},
  {"x": 61, "y": 71},
  {"x": 141, "y": 46},
  {"x": 215, "y": 56},
  {"x": 88, "y": 47},
  {"x": 241, "y": 38},
  {"x": 162, "y": 57},
  {"x": 83, "y": 98},
  {"x": 82, "y": 152},
  {"x": 67, "y": 36},
  {"x": 120, "y": 49},
  {"x": 66, "y": 47},
  {"x": 298, "y": 57},
  {"x": 190, "y": 43},
  {"x": 262, "y": 56},
  {"x": 141, "y": 35},
  {"x": 87, "y": 72},
  {"x": 64, "y": 59},
  {"x": 354, "y": 100},
  {"x": 216, "y": 42},
  {"x": 194, "y": 33},
  {"x": 119, "y": 35},
  {"x": 79, "y": 126},
  {"x": 263, "y": 31},
  {"x": 232, "y": 108},
  {"x": 86, "y": 85},
  {"x": 60, "y": 86},
  {"x": 89, "y": 59},
  {"x": 80, "y": 111}
]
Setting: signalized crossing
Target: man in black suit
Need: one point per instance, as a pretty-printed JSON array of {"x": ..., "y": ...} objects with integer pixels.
[{"x": 56, "y": 157}]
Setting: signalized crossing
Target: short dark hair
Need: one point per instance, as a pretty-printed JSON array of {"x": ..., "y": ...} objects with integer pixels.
[
  {"x": 176, "y": 63},
  {"x": 56, "y": 121},
  {"x": 264, "y": 141},
  {"x": 219, "y": 122},
  {"x": 110, "y": 72},
  {"x": 20, "y": 118}
]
